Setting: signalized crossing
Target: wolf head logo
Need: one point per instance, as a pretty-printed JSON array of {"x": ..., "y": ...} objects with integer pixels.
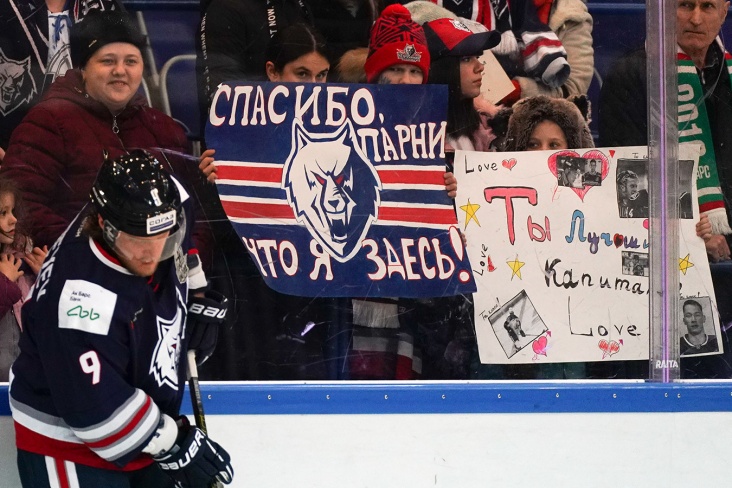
[
  {"x": 164, "y": 362},
  {"x": 332, "y": 188},
  {"x": 16, "y": 83}
]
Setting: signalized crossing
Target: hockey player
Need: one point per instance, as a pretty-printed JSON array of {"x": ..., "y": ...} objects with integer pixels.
[{"x": 96, "y": 390}]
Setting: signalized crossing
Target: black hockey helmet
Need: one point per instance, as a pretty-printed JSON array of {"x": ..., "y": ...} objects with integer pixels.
[{"x": 135, "y": 195}]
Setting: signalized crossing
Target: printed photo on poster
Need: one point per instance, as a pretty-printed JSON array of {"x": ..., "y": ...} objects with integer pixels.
[
  {"x": 517, "y": 324},
  {"x": 697, "y": 335},
  {"x": 686, "y": 180},
  {"x": 635, "y": 263},
  {"x": 593, "y": 172},
  {"x": 632, "y": 188}
]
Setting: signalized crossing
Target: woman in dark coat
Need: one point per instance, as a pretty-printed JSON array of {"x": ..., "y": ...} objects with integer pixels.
[{"x": 55, "y": 153}]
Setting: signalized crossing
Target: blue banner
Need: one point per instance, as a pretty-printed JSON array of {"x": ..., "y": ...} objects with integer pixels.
[{"x": 338, "y": 190}]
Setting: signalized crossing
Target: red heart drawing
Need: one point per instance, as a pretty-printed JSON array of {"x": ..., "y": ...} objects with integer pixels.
[
  {"x": 592, "y": 154},
  {"x": 539, "y": 346},
  {"x": 608, "y": 348},
  {"x": 618, "y": 239},
  {"x": 509, "y": 163}
]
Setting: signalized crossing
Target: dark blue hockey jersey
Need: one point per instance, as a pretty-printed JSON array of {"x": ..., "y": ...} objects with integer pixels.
[{"x": 99, "y": 356}]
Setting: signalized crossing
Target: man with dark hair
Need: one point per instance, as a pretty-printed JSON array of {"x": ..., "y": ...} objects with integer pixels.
[
  {"x": 97, "y": 388},
  {"x": 591, "y": 176},
  {"x": 632, "y": 202},
  {"x": 695, "y": 341}
]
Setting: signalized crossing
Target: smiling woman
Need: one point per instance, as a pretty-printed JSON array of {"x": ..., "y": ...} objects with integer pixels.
[
  {"x": 113, "y": 75},
  {"x": 107, "y": 49},
  {"x": 95, "y": 109}
]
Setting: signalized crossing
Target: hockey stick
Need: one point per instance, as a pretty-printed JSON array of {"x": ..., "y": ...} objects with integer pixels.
[{"x": 197, "y": 402}]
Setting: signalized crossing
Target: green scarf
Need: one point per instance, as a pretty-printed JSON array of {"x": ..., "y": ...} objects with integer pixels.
[{"x": 694, "y": 127}]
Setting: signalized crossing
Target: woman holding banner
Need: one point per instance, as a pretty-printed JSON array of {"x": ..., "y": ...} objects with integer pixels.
[{"x": 293, "y": 349}]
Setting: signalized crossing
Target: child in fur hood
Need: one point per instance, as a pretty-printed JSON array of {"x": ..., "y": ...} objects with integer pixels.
[{"x": 516, "y": 128}]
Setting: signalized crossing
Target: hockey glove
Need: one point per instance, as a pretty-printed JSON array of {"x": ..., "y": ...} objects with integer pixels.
[
  {"x": 195, "y": 461},
  {"x": 205, "y": 315}
]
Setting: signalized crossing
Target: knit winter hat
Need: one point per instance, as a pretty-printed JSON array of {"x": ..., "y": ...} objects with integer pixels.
[
  {"x": 451, "y": 37},
  {"x": 98, "y": 29},
  {"x": 567, "y": 114},
  {"x": 396, "y": 39}
]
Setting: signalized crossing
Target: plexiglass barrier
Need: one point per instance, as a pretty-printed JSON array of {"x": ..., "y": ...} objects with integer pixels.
[{"x": 549, "y": 265}]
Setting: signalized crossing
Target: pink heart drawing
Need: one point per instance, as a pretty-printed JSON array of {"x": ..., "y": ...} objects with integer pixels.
[
  {"x": 608, "y": 348},
  {"x": 592, "y": 154},
  {"x": 509, "y": 163},
  {"x": 539, "y": 346}
]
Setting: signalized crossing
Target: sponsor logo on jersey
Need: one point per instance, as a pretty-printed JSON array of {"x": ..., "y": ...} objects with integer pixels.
[{"x": 86, "y": 306}]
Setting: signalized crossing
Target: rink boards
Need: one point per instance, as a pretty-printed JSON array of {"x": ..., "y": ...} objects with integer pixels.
[{"x": 461, "y": 434}]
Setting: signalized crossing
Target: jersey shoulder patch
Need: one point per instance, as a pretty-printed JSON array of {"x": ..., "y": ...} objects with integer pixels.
[{"x": 86, "y": 306}]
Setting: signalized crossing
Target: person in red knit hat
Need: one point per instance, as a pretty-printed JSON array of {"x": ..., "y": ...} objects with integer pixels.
[
  {"x": 388, "y": 338},
  {"x": 398, "y": 52}
]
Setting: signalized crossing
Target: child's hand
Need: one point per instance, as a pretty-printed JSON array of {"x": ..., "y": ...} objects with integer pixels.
[
  {"x": 450, "y": 185},
  {"x": 10, "y": 267},
  {"x": 35, "y": 258},
  {"x": 207, "y": 165}
]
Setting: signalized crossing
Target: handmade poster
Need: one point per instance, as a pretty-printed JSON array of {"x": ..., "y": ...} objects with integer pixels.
[
  {"x": 339, "y": 190},
  {"x": 559, "y": 245}
]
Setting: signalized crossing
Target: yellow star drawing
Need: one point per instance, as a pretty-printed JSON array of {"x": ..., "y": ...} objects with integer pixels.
[
  {"x": 515, "y": 266},
  {"x": 470, "y": 213},
  {"x": 685, "y": 263}
]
